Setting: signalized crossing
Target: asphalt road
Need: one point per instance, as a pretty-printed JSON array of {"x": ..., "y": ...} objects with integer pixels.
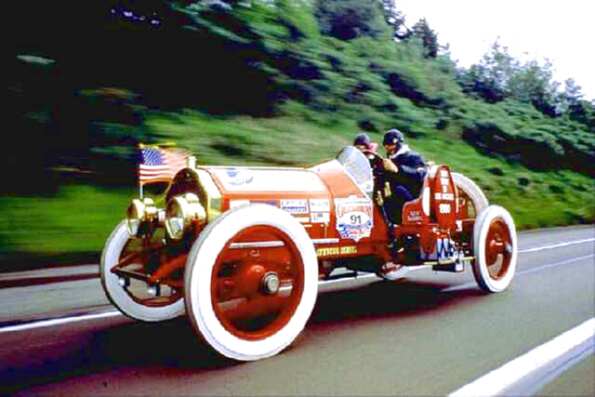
[{"x": 427, "y": 335}]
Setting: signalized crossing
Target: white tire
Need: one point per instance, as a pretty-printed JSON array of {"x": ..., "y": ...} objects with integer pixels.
[
  {"x": 117, "y": 294},
  {"x": 474, "y": 192},
  {"x": 495, "y": 248},
  {"x": 202, "y": 283}
]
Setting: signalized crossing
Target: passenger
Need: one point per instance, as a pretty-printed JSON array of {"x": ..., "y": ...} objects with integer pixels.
[
  {"x": 404, "y": 170},
  {"x": 364, "y": 143}
]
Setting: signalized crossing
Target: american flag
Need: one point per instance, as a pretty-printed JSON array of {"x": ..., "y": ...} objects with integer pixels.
[{"x": 160, "y": 165}]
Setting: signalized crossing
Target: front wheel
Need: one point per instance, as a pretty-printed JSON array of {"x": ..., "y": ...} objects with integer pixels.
[
  {"x": 495, "y": 248},
  {"x": 251, "y": 282},
  {"x": 130, "y": 296}
]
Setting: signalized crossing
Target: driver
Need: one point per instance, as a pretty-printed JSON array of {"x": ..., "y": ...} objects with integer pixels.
[{"x": 405, "y": 171}]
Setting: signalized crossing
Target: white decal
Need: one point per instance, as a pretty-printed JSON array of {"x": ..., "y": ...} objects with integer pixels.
[
  {"x": 444, "y": 173},
  {"x": 448, "y": 196},
  {"x": 268, "y": 180},
  {"x": 303, "y": 219},
  {"x": 320, "y": 217},
  {"x": 319, "y": 205},
  {"x": 444, "y": 181},
  {"x": 295, "y": 206},
  {"x": 414, "y": 216},
  {"x": 238, "y": 176},
  {"x": 444, "y": 208},
  {"x": 438, "y": 196},
  {"x": 354, "y": 217},
  {"x": 445, "y": 249}
]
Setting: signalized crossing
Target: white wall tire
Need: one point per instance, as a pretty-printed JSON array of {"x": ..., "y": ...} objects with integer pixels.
[
  {"x": 116, "y": 293},
  {"x": 471, "y": 190},
  {"x": 201, "y": 280},
  {"x": 495, "y": 248}
]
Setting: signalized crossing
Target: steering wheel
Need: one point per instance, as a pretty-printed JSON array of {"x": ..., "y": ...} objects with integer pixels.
[{"x": 376, "y": 161}]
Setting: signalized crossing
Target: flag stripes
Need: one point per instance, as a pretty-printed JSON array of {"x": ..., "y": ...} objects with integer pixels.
[{"x": 160, "y": 165}]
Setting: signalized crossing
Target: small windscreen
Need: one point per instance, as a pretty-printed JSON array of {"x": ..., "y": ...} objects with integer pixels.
[{"x": 358, "y": 166}]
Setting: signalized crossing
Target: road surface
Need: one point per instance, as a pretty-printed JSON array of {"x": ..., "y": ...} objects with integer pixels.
[{"x": 430, "y": 334}]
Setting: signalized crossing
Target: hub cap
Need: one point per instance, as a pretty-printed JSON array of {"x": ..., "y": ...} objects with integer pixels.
[
  {"x": 498, "y": 249},
  {"x": 255, "y": 292}
]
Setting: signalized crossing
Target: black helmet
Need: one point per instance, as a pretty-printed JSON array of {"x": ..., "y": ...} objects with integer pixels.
[
  {"x": 362, "y": 139},
  {"x": 392, "y": 137}
]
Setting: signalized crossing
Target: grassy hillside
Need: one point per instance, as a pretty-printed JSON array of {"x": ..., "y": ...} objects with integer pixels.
[{"x": 269, "y": 84}]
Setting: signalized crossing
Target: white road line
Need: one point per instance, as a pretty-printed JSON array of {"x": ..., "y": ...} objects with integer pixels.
[
  {"x": 498, "y": 380},
  {"x": 536, "y": 269},
  {"x": 58, "y": 321},
  {"x": 520, "y": 273},
  {"x": 66, "y": 320},
  {"x": 563, "y": 244}
]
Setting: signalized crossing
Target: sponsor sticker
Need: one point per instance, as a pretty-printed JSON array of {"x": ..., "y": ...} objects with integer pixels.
[
  {"x": 414, "y": 216},
  {"x": 243, "y": 179},
  {"x": 444, "y": 196},
  {"x": 295, "y": 206},
  {"x": 333, "y": 251},
  {"x": 319, "y": 205},
  {"x": 320, "y": 217},
  {"x": 444, "y": 208},
  {"x": 445, "y": 249},
  {"x": 354, "y": 217},
  {"x": 238, "y": 176}
]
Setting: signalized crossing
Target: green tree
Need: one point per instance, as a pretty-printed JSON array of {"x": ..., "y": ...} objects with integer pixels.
[
  {"x": 428, "y": 37},
  {"x": 396, "y": 19},
  {"x": 350, "y": 19},
  {"x": 489, "y": 78},
  {"x": 499, "y": 76},
  {"x": 575, "y": 106},
  {"x": 533, "y": 83}
]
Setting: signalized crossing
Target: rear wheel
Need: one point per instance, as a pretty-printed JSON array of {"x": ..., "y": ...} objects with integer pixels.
[
  {"x": 495, "y": 249},
  {"x": 471, "y": 198},
  {"x": 251, "y": 282}
]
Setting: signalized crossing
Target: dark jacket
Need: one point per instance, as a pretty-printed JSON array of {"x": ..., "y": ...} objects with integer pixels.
[{"x": 412, "y": 170}]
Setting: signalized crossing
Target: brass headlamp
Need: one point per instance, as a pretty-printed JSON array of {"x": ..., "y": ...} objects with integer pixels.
[
  {"x": 139, "y": 212},
  {"x": 181, "y": 212}
]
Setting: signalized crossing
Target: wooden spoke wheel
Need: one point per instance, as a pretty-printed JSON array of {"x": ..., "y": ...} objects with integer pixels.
[{"x": 251, "y": 282}]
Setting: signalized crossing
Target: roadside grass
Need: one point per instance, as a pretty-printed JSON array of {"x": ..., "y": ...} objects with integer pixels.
[
  {"x": 67, "y": 228},
  {"x": 72, "y": 225}
]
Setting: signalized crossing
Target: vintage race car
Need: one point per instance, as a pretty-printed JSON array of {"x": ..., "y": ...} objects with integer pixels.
[{"x": 242, "y": 250}]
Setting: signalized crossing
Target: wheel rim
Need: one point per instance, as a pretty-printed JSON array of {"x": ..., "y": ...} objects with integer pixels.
[
  {"x": 137, "y": 256},
  {"x": 498, "y": 249},
  {"x": 255, "y": 292}
]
